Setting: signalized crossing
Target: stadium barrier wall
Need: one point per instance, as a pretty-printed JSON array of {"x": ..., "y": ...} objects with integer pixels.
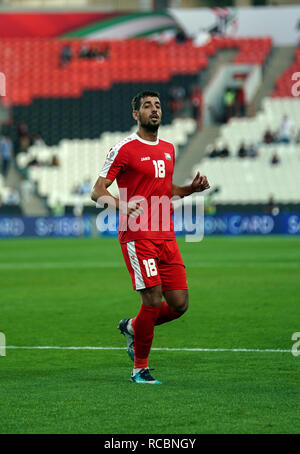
[{"x": 233, "y": 224}]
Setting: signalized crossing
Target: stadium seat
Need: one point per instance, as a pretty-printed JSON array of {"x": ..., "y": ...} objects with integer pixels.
[
  {"x": 80, "y": 160},
  {"x": 128, "y": 61}
]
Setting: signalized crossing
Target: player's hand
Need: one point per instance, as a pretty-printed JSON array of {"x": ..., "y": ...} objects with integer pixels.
[
  {"x": 133, "y": 208},
  {"x": 200, "y": 183}
]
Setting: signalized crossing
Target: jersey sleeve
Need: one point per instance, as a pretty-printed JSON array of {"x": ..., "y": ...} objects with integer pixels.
[{"x": 115, "y": 163}]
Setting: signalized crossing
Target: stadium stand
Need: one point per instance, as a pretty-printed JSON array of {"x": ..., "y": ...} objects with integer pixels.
[
  {"x": 80, "y": 161},
  {"x": 252, "y": 130},
  {"x": 86, "y": 97},
  {"x": 79, "y": 106},
  {"x": 254, "y": 180},
  {"x": 9, "y": 198},
  {"x": 275, "y": 168},
  {"x": 135, "y": 60}
]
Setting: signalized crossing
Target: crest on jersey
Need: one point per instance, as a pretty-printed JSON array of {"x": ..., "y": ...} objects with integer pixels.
[
  {"x": 111, "y": 156},
  {"x": 168, "y": 156}
]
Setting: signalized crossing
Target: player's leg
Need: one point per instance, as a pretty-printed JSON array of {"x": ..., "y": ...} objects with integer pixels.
[
  {"x": 143, "y": 327},
  {"x": 177, "y": 300},
  {"x": 174, "y": 283},
  {"x": 141, "y": 260},
  {"x": 143, "y": 324},
  {"x": 175, "y": 305}
]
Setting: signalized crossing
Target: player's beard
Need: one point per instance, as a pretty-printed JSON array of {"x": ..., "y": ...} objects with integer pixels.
[{"x": 148, "y": 126}]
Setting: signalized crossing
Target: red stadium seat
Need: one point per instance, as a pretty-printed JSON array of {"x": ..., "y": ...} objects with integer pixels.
[
  {"x": 284, "y": 83},
  {"x": 33, "y": 66}
]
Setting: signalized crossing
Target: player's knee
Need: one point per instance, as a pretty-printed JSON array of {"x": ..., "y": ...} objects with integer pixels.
[
  {"x": 156, "y": 301},
  {"x": 152, "y": 296},
  {"x": 183, "y": 303}
]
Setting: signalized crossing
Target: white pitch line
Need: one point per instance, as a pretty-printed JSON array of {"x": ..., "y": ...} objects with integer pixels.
[{"x": 168, "y": 349}]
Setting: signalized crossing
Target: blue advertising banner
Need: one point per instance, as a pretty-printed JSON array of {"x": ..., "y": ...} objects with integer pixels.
[
  {"x": 231, "y": 224},
  {"x": 66, "y": 226},
  {"x": 252, "y": 224},
  {"x": 87, "y": 226}
]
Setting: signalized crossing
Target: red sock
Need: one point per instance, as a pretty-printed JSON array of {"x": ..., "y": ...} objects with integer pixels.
[
  {"x": 166, "y": 314},
  {"x": 143, "y": 326}
]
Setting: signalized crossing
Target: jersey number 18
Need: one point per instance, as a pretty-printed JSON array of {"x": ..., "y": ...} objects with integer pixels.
[{"x": 160, "y": 170}]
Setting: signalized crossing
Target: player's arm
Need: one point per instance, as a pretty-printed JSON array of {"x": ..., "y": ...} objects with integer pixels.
[
  {"x": 199, "y": 184},
  {"x": 99, "y": 190}
]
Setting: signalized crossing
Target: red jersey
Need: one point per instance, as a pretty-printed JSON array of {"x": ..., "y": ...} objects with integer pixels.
[{"x": 143, "y": 170}]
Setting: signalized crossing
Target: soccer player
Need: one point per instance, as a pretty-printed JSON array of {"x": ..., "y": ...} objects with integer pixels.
[{"x": 143, "y": 166}]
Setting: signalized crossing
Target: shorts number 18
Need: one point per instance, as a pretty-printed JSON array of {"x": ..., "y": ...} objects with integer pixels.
[{"x": 150, "y": 267}]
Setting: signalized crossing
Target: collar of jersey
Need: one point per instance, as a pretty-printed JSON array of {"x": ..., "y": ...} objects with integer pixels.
[{"x": 147, "y": 142}]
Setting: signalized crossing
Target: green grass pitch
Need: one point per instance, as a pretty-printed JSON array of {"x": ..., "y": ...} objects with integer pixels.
[{"x": 244, "y": 293}]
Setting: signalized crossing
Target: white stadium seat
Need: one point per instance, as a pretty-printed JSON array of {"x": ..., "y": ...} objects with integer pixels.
[
  {"x": 83, "y": 159},
  {"x": 254, "y": 180}
]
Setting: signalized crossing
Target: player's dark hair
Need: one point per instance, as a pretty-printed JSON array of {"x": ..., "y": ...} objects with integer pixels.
[{"x": 136, "y": 101}]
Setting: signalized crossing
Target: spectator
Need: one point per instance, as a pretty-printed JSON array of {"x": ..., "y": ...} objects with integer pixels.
[
  {"x": 78, "y": 209},
  {"x": 176, "y": 99},
  {"x": 268, "y": 137},
  {"x": 213, "y": 153},
  {"x": 76, "y": 189},
  {"x": 6, "y": 153},
  {"x": 275, "y": 159},
  {"x": 84, "y": 51},
  {"x": 242, "y": 152},
  {"x": 224, "y": 152},
  {"x": 22, "y": 130},
  {"x": 180, "y": 36},
  {"x": 23, "y": 136},
  {"x": 55, "y": 161},
  {"x": 33, "y": 162},
  {"x": 86, "y": 187},
  {"x": 66, "y": 55},
  {"x": 38, "y": 140},
  {"x": 286, "y": 129},
  {"x": 272, "y": 207},
  {"x": 209, "y": 202},
  {"x": 93, "y": 52},
  {"x": 26, "y": 189},
  {"x": 58, "y": 208},
  {"x": 240, "y": 107},
  {"x": 12, "y": 197},
  {"x": 252, "y": 151},
  {"x": 102, "y": 55},
  {"x": 229, "y": 100},
  {"x": 196, "y": 100}
]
